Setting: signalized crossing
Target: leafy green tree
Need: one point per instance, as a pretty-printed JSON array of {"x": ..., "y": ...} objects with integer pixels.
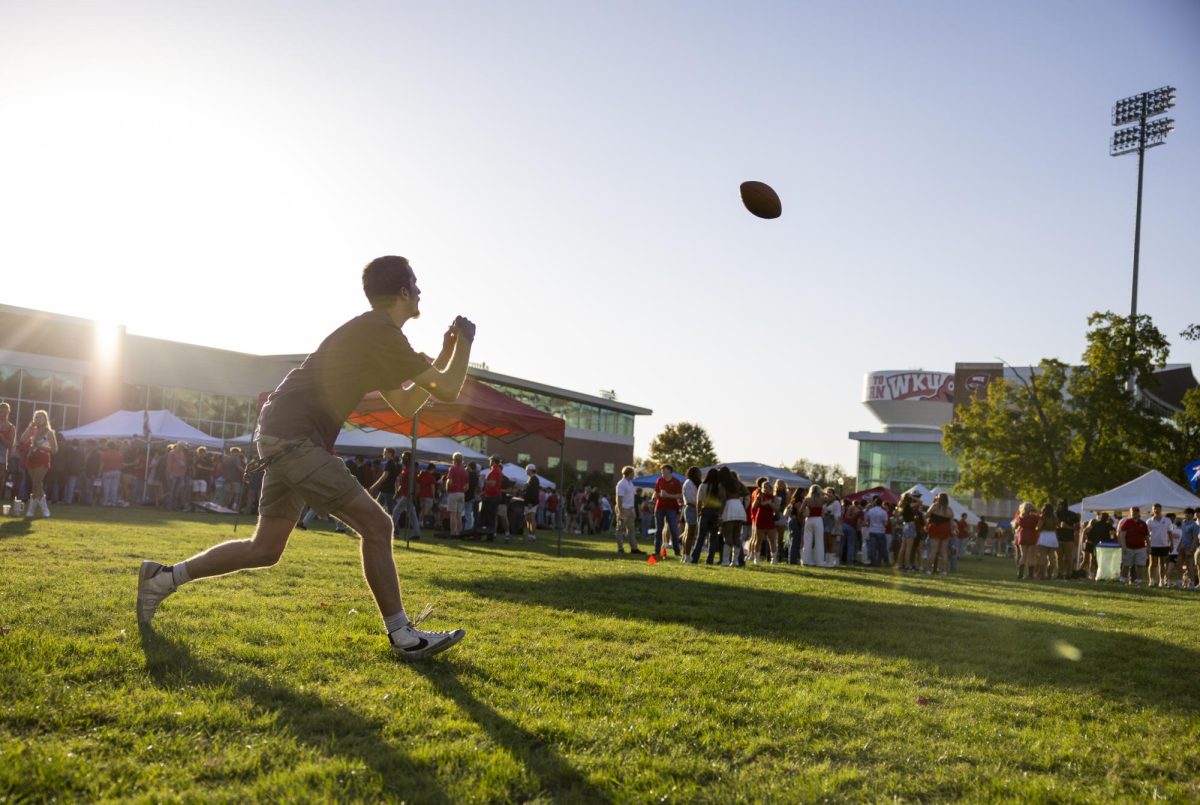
[
  {"x": 1065, "y": 431},
  {"x": 683, "y": 445},
  {"x": 822, "y": 474},
  {"x": 1016, "y": 439},
  {"x": 1181, "y": 443}
]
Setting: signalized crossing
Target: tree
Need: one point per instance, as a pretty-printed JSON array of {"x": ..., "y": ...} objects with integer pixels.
[
  {"x": 1181, "y": 443},
  {"x": 821, "y": 474},
  {"x": 1065, "y": 431},
  {"x": 1016, "y": 439},
  {"x": 684, "y": 445}
]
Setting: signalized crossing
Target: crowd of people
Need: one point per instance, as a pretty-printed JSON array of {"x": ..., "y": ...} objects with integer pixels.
[
  {"x": 714, "y": 518},
  {"x": 38, "y": 468}
]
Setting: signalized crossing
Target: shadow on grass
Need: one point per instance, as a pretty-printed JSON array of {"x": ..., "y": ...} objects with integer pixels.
[
  {"x": 967, "y": 643},
  {"x": 16, "y": 528},
  {"x": 955, "y": 590},
  {"x": 330, "y": 729},
  {"x": 557, "y": 779}
]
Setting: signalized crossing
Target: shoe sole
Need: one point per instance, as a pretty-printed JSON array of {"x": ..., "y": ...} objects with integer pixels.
[
  {"x": 453, "y": 639},
  {"x": 147, "y": 571}
]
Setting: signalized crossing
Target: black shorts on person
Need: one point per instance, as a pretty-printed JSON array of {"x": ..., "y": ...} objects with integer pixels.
[{"x": 1160, "y": 551}]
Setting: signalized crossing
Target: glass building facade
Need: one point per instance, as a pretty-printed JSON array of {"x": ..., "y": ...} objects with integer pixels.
[
  {"x": 576, "y": 414},
  {"x": 222, "y": 416},
  {"x": 900, "y": 465},
  {"x": 29, "y": 390}
]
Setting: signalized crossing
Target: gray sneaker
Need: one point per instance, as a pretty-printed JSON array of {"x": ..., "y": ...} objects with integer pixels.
[
  {"x": 155, "y": 583},
  {"x": 410, "y": 643}
]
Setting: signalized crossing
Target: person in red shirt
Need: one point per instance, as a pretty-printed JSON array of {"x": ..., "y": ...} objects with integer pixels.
[
  {"x": 1028, "y": 524},
  {"x": 762, "y": 518},
  {"x": 668, "y": 492},
  {"x": 456, "y": 492},
  {"x": 426, "y": 491},
  {"x": 1133, "y": 533},
  {"x": 404, "y": 497},
  {"x": 492, "y": 495}
]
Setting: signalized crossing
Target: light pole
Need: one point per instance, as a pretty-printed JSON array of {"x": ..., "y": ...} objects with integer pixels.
[{"x": 1146, "y": 133}]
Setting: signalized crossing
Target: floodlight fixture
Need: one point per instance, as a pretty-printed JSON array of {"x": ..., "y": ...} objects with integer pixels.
[
  {"x": 1147, "y": 104},
  {"x": 1145, "y": 133}
]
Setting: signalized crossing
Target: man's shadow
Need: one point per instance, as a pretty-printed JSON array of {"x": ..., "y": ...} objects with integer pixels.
[
  {"x": 555, "y": 777},
  {"x": 326, "y": 727}
]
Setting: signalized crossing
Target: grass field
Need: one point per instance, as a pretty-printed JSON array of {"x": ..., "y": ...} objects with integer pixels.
[{"x": 585, "y": 678}]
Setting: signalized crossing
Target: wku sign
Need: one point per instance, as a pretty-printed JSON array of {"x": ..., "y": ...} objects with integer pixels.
[{"x": 935, "y": 386}]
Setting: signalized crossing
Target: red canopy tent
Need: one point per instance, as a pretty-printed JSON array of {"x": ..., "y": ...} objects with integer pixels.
[
  {"x": 480, "y": 410},
  {"x": 886, "y": 495}
]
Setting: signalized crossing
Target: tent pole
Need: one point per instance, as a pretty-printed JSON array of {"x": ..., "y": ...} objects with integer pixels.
[
  {"x": 412, "y": 481},
  {"x": 561, "y": 501}
]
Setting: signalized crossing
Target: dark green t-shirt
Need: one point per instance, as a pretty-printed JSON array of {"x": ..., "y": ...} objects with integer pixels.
[{"x": 368, "y": 353}]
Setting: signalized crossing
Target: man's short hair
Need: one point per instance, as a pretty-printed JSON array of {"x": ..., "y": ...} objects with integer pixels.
[
  {"x": 667, "y": 467},
  {"x": 626, "y": 470},
  {"x": 384, "y": 278},
  {"x": 5, "y": 406}
]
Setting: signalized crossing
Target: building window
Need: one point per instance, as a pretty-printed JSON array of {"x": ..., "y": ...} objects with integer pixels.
[
  {"x": 523, "y": 458},
  {"x": 576, "y": 414},
  {"x": 551, "y": 462},
  {"x": 28, "y": 390},
  {"x": 610, "y": 468},
  {"x": 581, "y": 465},
  {"x": 222, "y": 416}
]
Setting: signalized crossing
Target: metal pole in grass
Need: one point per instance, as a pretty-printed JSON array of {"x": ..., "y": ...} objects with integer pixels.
[
  {"x": 412, "y": 458},
  {"x": 561, "y": 501}
]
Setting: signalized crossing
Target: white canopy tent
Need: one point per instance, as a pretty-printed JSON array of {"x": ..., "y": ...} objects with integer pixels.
[
  {"x": 516, "y": 474},
  {"x": 959, "y": 509},
  {"x": 927, "y": 497},
  {"x": 747, "y": 471},
  {"x": 163, "y": 426},
  {"x": 375, "y": 440},
  {"x": 1144, "y": 491}
]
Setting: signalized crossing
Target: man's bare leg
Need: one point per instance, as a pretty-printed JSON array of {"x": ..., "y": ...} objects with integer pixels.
[
  {"x": 156, "y": 582},
  {"x": 263, "y": 549},
  {"x": 374, "y": 525}
]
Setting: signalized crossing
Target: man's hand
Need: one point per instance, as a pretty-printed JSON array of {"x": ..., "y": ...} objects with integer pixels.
[{"x": 465, "y": 327}]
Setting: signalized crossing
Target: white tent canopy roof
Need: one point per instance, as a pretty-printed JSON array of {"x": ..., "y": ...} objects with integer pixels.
[
  {"x": 164, "y": 426},
  {"x": 927, "y": 497},
  {"x": 372, "y": 439},
  {"x": 516, "y": 474},
  {"x": 1144, "y": 491},
  {"x": 747, "y": 471}
]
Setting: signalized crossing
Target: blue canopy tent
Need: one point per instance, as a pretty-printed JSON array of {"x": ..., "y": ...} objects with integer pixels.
[{"x": 648, "y": 481}]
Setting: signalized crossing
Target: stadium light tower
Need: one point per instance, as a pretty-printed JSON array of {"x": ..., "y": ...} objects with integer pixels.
[{"x": 1146, "y": 133}]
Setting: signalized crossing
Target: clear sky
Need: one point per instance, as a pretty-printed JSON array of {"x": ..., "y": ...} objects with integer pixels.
[{"x": 566, "y": 174}]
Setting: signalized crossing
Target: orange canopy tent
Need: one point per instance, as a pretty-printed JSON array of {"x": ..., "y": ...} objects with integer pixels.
[{"x": 480, "y": 410}]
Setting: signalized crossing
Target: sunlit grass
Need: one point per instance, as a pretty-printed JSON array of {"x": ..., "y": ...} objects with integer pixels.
[{"x": 585, "y": 677}]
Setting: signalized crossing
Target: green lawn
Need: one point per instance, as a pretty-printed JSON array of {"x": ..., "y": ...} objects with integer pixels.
[{"x": 582, "y": 678}]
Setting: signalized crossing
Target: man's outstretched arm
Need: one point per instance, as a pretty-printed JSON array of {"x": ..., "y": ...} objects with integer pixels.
[{"x": 444, "y": 378}]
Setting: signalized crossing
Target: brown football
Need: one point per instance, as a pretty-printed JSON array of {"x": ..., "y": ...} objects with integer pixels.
[{"x": 761, "y": 200}]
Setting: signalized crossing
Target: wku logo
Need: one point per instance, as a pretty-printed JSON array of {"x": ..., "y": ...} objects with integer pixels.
[{"x": 914, "y": 386}]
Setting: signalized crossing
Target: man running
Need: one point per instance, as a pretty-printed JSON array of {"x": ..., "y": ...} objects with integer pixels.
[{"x": 294, "y": 439}]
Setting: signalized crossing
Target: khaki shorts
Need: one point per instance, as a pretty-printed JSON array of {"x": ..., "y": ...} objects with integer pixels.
[
  {"x": 456, "y": 502},
  {"x": 306, "y": 473}
]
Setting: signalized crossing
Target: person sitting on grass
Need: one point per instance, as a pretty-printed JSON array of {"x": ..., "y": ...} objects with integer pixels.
[{"x": 296, "y": 430}]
